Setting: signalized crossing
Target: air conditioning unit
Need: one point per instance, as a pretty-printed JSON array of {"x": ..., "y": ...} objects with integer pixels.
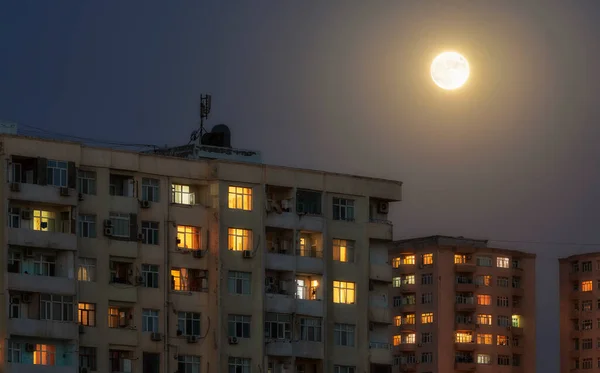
[
  {"x": 247, "y": 254},
  {"x": 26, "y": 298},
  {"x": 15, "y": 187},
  {"x": 145, "y": 204},
  {"x": 26, "y": 214},
  {"x": 192, "y": 339},
  {"x": 383, "y": 207},
  {"x": 108, "y": 231},
  {"x": 139, "y": 280},
  {"x": 107, "y": 223},
  {"x": 233, "y": 340},
  {"x": 141, "y": 236},
  {"x": 156, "y": 337},
  {"x": 64, "y": 192},
  {"x": 198, "y": 253}
]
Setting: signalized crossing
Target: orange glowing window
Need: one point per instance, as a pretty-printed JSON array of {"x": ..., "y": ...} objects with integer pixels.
[
  {"x": 397, "y": 320},
  {"x": 239, "y": 239},
  {"x": 240, "y": 198},
  {"x": 427, "y": 259},
  {"x": 463, "y": 337},
  {"x": 397, "y": 340},
  {"x": 460, "y": 259},
  {"x": 484, "y": 339},
  {"x": 344, "y": 292},
  {"x": 188, "y": 237},
  {"x": 44, "y": 354},
  {"x": 586, "y": 285},
  {"x": 408, "y": 259},
  {"x": 396, "y": 262},
  {"x": 484, "y": 300},
  {"x": 427, "y": 318}
]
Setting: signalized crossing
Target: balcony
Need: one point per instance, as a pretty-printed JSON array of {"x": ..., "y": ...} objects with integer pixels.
[
  {"x": 308, "y": 350},
  {"x": 380, "y": 272},
  {"x": 123, "y": 336},
  {"x": 408, "y": 367},
  {"x": 406, "y": 307},
  {"x": 123, "y": 292},
  {"x": 280, "y": 303},
  {"x": 465, "y": 304},
  {"x": 574, "y": 276},
  {"x": 34, "y": 368},
  {"x": 406, "y": 288},
  {"x": 465, "y": 346},
  {"x": 379, "y": 229},
  {"x": 42, "y": 239},
  {"x": 464, "y": 366},
  {"x": 380, "y": 353},
  {"x": 465, "y": 267},
  {"x": 465, "y": 287},
  {"x": 380, "y": 315},
  {"x": 280, "y": 262},
  {"x": 44, "y": 329},
  {"x": 279, "y": 348},
  {"x": 124, "y": 249},
  {"x": 519, "y": 292},
  {"x": 41, "y": 284},
  {"x": 309, "y": 307},
  {"x": 464, "y": 326},
  {"x": 516, "y": 331},
  {"x": 405, "y": 347},
  {"x": 310, "y": 264},
  {"x": 43, "y": 193},
  {"x": 404, "y": 269}
]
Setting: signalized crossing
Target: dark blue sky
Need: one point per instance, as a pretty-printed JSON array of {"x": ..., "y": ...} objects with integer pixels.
[{"x": 344, "y": 86}]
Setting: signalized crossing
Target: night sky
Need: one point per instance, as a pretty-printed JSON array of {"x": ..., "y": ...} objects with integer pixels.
[{"x": 344, "y": 86}]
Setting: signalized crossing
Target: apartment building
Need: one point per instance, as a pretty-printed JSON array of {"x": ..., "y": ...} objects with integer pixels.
[
  {"x": 125, "y": 262},
  {"x": 579, "y": 305},
  {"x": 460, "y": 306}
]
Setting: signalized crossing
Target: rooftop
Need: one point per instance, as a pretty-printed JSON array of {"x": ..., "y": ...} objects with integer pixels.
[{"x": 451, "y": 242}]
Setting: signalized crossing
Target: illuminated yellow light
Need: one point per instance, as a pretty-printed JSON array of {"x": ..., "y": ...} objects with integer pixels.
[{"x": 450, "y": 70}]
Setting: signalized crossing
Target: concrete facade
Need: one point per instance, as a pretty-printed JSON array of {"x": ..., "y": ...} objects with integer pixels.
[
  {"x": 579, "y": 304},
  {"x": 125, "y": 262},
  {"x": 460, "y": 306}
]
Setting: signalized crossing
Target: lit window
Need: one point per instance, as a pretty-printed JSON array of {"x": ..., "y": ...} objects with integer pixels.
[
  {"x": 240, "y": 198},
  {"x": 86, "y": 270},
  {"x": 181, "y": 195},
  {"x": 408, "y": 259},
  {"x": 87, "y": 314},
  {"x": 344, "y": 292},
  {"x": 343, "y": 250},
  {"x": 396, "y": 262},
  {"x": 484, "y": 300},
  {"x": 483, "y": 280},
  {"x": 460, "y": 259},
  {"x": 239, "y": 239},
  {"x": 502, "y": 262},
  {"x": 484, "y": 359},
  {"x": 427, "y": 259},
  {"x": 397, "y": 320},
  {"x": 502, "y": 340},
  {"x": 409, "y": 338},
  {"x": 586, "y": 285},
  {"x": 516, "y": 321},
  {"x": 484, "y": 339},
  {"x": 44, "y": 221},
  {"x": 483, "y": 319},
  {"x": 427, "y": 318},
  {"x": 44, "y": 354},
  {"x": 188, "y": 237},
  {"x": 462, "y": 337},
  {"x": 397, "y": 340}
]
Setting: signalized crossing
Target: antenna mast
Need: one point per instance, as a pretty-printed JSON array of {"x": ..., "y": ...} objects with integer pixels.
[{"x": 205, "y": 103}]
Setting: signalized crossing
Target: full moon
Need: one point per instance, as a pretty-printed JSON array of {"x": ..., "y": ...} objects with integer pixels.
[{"x": 450, "y": 70}]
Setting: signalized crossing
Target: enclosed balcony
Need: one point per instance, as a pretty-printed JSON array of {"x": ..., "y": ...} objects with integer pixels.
[
  {"x": 280, "y": 249},
  {"x": 464, "y": 361},
  {"x": 405, "y": 303},
  {"x": 41, "y": 226},
  {"x": 465, "y": 302},
  {"x": 280, "y": 291},
  {"x": 309, "y": 294},
  {"x": 279, "y": 204},
  {"x": 121, "y": 324},
  {"x": 35, "y": 355},
  {"x": 380, "y": 353},
  {"x": 464, "y": 263},
  {"x": 464, "y": 321},
  {"x": 465, "y": 283},
  {"x": 121, "y": 361},
  {"x": 464, "y": 341},
  {"x": 40, "y": 270},
  {"x": 309, "y": 253},
  {"x": 379, "y": 310}
]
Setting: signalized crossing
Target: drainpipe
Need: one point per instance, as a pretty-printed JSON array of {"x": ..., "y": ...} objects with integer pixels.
[{"x": 166, "y": 283}]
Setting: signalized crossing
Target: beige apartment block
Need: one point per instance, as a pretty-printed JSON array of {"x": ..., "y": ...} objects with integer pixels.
[
  {"x": 119, "y": 261},
  {"x": 579, "y": 320},
  {"x": 460, "y": 306}
]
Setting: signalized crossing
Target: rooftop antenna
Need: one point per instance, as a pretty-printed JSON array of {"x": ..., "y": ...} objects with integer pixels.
[{"x": 205, "y": 103}]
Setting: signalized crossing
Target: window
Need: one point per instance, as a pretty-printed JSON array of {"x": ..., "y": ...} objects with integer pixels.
[
  {"x": 308, "y": 202},
  {"x": 87, "y": 314},
  {"x": 56, "y": 307},
  {"x": 185, "y": 279},
  {"x": 14, "y": 352},
  {"x": 344, "y": 292},
  {"x": 57, "y": 173},
  {"x": 181, "y": 195},
  {"x": 426, "y": 337},
  {"x": 484, "y": 359},
  {"x": 503, "y": 321},
  {"x": 150, "y": 189},
  {"x": 484, "y": 339},
  {"x": 427, "y": 318},
  {"x": 188, "y": 237},
  {"x": 14, "y": 217},
  {"x": 44, "y": 221},
  {"x": 484, "y": 300},
  {"x": 427, "y": 279},
  {"x": 240, "y": 198},
  {"x": 343, "y": 209},
  {"x": 188, "y": 364},
  {"x": 587, "y": 344},
  {"x": 343, "y": 250},
  {"x": 483, "y": 319},
  {"x": 150, "y": 275},
  {"x": 344, "y": 334},
  {"x": 239, "y": 282},
  {"x": 188, "y": 323},
  {"x": 462, "y": 337},
  {"x": 502, "y": 301},
  {"x": 586, "y": 285},
  {"x": 86, "y": 182},
  {"x": 121, "y": 185},
  {"x": 239, "y": 326},
  {"x": 278, "y": 326},
  {"x": 150, "y": 321},
  {"x": 87, "y": 358},
  {"x": 426, "y": 298},
  {"x": 310, "y": 329},
  {"x": 239, "y": 239},
  {"x": 516, "y": 282},
  {"x": 587, "y": 363},
  {"x": 484, "y": 261},
  {"x": 120, "y": 224},
  {"x": 460, "y": 259},
  {"x": 516, "y": 321},
  {"x": 239, "y": 365},
  {"x": 502, "y": 262},
  {"x": 502, "y": 340},
  {"x": 86, "y": 270},
  {"x": 344, "y": 369},
  {"x": 483, "y": 280},
  {"x": 427, "y": 259},
  {"x": 150, "y": 232},
  {"x": 426, "y": 357},
  {"x": 502, "y": 282},
  {"x": 586, "y": 266},
  {"x": 503, "y": 360},
  {"x": 44, "y": 354},
  {"x": 86, "y": 226},
  {"x": 396, "y": 262},
  {"x": 119, "y": 317},
  {"x": 44, "y": 265},
  {"x": 408, "y": 259}
]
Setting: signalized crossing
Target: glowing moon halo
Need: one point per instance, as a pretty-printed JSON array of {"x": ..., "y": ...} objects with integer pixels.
[{"x": 450, "y": 70}]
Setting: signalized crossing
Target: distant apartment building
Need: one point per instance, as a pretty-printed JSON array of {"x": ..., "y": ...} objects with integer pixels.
[
  {"x": 460, "y": 306},
  {"x": 579, "y": 318},
  {"x": 123, "y": 262}
]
